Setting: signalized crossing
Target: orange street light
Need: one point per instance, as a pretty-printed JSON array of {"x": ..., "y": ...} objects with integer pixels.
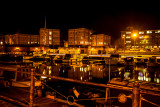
[{"x": 134, "y": 35}]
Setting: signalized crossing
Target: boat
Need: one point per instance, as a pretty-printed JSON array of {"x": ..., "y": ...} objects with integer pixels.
[
  {"x": 152, "y": 62},
  {"x": 18, "y": 77},
  {"x": 93, "y": 60},
  {"x": 140, "y": 60},
  {"x": 129, "y": 83},
  {"x": 58, "y": 59},
  {"x": 129, "y": 61}
]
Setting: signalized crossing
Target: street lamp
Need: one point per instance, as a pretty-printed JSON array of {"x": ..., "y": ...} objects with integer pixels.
[
  {"x": 124, "y": 36},
  {"x": 134, "y": 36}
]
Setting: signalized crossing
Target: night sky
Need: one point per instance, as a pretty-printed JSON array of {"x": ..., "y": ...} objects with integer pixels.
[{"x": 103, "y": 17}]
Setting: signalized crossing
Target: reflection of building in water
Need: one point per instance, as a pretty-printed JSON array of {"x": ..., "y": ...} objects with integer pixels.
[
  {"x": 143, "y": 74},
  {"x": 55, "y": 70},
  {"x": 98, "y": 71},
  {"x": 80, "y": 73},
  {"x": 49, "y": 70}
]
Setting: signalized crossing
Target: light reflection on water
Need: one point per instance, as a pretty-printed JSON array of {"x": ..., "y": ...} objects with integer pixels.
[{"x": 99, "y": 73}]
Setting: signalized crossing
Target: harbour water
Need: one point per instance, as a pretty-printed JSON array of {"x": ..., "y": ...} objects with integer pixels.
[{"x": 99, "y": 73}]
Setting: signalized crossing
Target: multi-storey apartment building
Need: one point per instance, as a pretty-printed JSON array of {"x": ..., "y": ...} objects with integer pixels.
[
  {"x": 79, "y": 37},
  {"x": 49, "y": 37},
  {"x": 100, "y": 40},
  {"x": 22, "y": 39},
  {"x": 141, "y": 38}
]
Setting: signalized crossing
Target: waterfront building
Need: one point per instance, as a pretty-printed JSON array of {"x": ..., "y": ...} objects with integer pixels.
[
  {"x": 100, "y": 40},
  {"x": 99, "y": 43},
  {"x": 141, "y": 38},
  {"x": 22, "y": 39},
  {"x": 49, "y": 37},
  {"x": 2, "y": 44},
  {"x": 79, "y": 37},
  {"x": 21, "y": 42}
]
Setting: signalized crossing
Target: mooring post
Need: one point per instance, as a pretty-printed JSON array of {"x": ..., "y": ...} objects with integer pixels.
[
  {"x": 109, "y": 70},
  {"x": 135, "y": 95},
  {"x": 32, "y": 88}
]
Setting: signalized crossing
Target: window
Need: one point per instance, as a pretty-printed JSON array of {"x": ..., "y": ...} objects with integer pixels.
[
  {"x": 100, "y": 43},
  {"x": 81, "y": 42},
  {"x": 158, "y": 31},
  {"x": 86, "y": 42},
  {"x": 141, "y": 32},
  {"x": 50, "y": 32},
  {"x": 149, "y": 31},
  {"x": 128, "y": 41},
  {"x": 50, "y": 37},
  {"x": 82, "y": 37},
  {"x": 128, "y": 32},
  {"x": 140, "y": 37},
  {"x": 128, "y": 37},
  {"x": 50, "y": 42}
]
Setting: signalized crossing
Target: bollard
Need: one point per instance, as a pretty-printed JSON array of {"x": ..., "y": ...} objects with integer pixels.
[
  {"x": 135, "y": 95},
  {"x": 32, "y": 88},
  {"x": 39, "y": 92}
]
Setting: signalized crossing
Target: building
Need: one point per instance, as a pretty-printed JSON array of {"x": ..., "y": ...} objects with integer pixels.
[
  {"x": 2, "y": 44},
  {"x": 100, "y": 40},
  {"x": 79, "y": 37},
  {"x": 49, "y": 37},
  {"x": 99, "y": 43},
  {"x": 141, "y": 38},
  {"x": 21, "y": 42},
  {"x": 21, "y": 39}
]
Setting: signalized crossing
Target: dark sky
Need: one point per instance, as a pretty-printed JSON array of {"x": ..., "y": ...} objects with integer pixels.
[{"x": 103, "y": 17}]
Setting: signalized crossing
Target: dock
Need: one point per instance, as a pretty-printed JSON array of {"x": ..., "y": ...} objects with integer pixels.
[{"x": 13, "y": 96}]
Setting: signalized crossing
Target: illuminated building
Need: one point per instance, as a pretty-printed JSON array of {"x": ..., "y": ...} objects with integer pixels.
[
  {"x": 143, "y": 39},
  {"x": 49, "y": 37},
  {"x": 79, "y": 37},
  {"x": 2, "y": 43},
  {"x": 100, "y": 40},
  {"x": 22, "y": 39},
  {"x": 21, "y": 42},
  {"x": 99, "y": 43}
]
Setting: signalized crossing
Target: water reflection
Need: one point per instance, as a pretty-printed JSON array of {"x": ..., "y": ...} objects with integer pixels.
[{"x": 99, "y": 73}]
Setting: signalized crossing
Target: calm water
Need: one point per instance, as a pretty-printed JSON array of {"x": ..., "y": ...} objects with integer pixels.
[{"x": 99, "y": 73}]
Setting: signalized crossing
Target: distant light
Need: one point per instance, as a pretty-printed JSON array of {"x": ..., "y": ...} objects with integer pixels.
[
  {"x": 134, "y": 35},
  {"x": 43, "y": 77}
]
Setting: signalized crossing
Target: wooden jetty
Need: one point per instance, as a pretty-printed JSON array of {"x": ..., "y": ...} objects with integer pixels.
[{"x": 21, "y": 97}]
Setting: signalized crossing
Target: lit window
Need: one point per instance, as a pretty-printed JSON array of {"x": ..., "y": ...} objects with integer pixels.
[
  {"x": 50, "y": 37},
  {"x": 50, "y": 42},
  {"x": 128, "y": 41},
  {"x": 50, "y": 33},
  {"x": 128, "y": 32},
  {"x": 149, "y": 31},
  {"x": 128, "y": 37},
  {"x": 100, "y": 43},
  {"x": 141, "y": 32},
  {"x": 141, "y": 37},
  {"x": 81, "y": 37},
  {"x": 81, "y": 42},
  {"x": 158, "y": 31},
  {"x": 86, "y": 42}
]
